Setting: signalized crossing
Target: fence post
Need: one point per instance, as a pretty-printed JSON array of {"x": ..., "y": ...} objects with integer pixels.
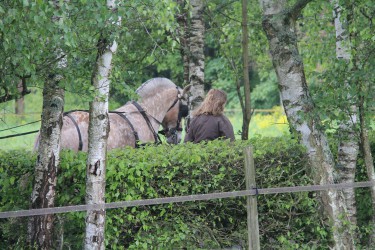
[{"x": 251, "y": 201}]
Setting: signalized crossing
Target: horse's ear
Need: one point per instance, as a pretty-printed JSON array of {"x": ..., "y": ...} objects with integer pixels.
[{"x": 186, "y": 90}]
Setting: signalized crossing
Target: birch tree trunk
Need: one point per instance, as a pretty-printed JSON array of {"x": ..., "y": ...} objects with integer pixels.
[
  {"x": 348, "y": 144},
  {"x": 246, "y": 112},
  {"x": 183, "y": 36},
  {"x": 279, "y": 25},
  {"x": 97, "y": 148},
  {"x": 196, "y": 60},
  {"x": 43, "y": 195},
  {"x": 40, "y": 228}
]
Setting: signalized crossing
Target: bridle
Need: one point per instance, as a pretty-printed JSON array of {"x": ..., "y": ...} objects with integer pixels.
[
  {"x": 167, "y": 132},
  {"x": 182, "y": 112}
]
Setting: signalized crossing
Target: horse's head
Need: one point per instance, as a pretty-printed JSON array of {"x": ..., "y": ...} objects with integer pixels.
[{"x": 172, "y": 126}]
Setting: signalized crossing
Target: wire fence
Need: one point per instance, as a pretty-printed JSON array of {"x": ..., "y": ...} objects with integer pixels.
[{"x": 187, "y": 198}]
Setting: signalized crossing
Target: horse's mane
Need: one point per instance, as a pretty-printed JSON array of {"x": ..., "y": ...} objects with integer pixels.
[{"x": 154, "y": 85}]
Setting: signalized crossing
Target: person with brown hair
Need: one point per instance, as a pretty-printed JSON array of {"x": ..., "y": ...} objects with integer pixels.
[{"x": 209, "y": 122}]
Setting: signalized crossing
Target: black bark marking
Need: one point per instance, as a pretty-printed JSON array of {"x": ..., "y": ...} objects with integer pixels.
[
  {"x": 49, "y": 131},
  {"x": 95, "y": 169},
  {"x": 49, "y": 174},
  {"x": 41, "y": 235}
]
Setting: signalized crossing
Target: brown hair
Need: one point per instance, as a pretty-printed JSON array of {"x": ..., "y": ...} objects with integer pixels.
[{"x": 213, "y": 104}]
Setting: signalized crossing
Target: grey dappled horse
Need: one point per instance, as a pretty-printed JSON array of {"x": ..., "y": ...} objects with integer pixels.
[{"x": 161, "y": 103}]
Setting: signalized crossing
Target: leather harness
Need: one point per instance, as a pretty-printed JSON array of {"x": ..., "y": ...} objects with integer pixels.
[
  {"x": 135, "y": 133},
  {"x": 143, "y": 113},
  {"x": 122, "y": 115},
  {"x": 80, "y": 145}
]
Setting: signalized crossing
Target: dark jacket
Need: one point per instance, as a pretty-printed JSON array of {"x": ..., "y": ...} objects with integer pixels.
[{"x": 209, "y": 127}]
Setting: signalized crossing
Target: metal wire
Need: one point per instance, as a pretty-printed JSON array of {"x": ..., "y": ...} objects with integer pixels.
[
  {"x": 197, "y": 197},
  {"x": 19, "y": 126}
]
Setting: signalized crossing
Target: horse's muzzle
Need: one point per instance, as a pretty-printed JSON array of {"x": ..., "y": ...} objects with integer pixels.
[{"x": 172, "y": 135}]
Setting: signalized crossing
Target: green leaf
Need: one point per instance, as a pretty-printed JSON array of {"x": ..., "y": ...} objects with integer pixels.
[
  {"x": 11, "y": 180},
  {"x": 25, "y": 3}
]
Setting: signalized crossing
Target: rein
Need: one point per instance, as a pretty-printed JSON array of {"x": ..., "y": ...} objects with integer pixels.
[
  {"x": 182, "y": 112},
  {"x": 144, "y": 114}
]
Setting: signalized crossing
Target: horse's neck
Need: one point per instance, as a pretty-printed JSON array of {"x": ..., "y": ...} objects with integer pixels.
[
  {"x": 125, "y": 108},
  {"x": 155, "y": 109},
  {"x": 152, "y": 108}
]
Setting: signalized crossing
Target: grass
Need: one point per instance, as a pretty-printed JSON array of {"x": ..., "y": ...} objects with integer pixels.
[
  {"x": 33, "y": 109},
  {"x": 26, "y": 142},
  {"x": 9, "y": 119},
  {"x": 272, "y": 123}
]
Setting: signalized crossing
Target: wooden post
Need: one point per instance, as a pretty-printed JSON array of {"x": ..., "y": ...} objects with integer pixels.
[
  {"x": 251, "y": 202},
  {"x": 19, "y": 107}
]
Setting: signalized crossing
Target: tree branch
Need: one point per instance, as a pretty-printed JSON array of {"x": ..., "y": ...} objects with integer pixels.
[
  {"x": 295, "y": 11},
  {"x": 25, "y": 91},
  {"x": 8, "y": 96}
]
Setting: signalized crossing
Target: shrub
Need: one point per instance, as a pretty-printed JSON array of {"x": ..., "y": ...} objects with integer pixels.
[{"x": 286, "y": 221}]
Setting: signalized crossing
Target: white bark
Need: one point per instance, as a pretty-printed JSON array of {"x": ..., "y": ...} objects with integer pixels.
[
  {"x": 97, "y": 149},
  {"x": 348, "y": 145},
  {"x": 43, "y": 195},
  {"x": 279, "y": 25},
  {"x": 196, "y": 62},
  {"x": 342, "y": 41},
  {"x": 182, "y": 32},
  {"x": 40, "y": 228}
]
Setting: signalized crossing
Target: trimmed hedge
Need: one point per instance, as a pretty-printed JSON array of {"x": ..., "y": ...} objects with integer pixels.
[{"x": 286, "y": 221}]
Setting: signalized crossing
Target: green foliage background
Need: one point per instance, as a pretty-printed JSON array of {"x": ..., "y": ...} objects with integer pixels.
[
  {"x": 287, "y": 221},
  {"x": 270, "y": 123},
  {"x": 148, "y": 47}
]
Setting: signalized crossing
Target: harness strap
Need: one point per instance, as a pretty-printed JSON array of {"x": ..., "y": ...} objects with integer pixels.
[
  {"x": 143, "y": 113},
  {"x": 80, "y": 145},
  {"x": 174, "y": 103},
  {"x": 131, "y": 126},
  {"x": 140, "y": 109}
]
